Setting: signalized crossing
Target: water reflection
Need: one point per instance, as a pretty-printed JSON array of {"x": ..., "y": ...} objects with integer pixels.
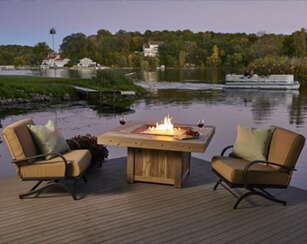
[
  {"x": 209, "y": 76},
  {"x": 262, "y": 103},
  {"x": 150, "y": 76},
  {"x": 68, "y": 73},
  {"x": 60, "y": 73},
  {"x": 106, "y": 110}
]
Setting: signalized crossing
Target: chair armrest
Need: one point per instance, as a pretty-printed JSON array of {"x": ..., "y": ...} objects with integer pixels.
[
  {"x": 40, "y": 156},
  {"x": 261, "y": 162},
  {"x": 225, "y": 149},
  {"x": 74, "y": 141}
]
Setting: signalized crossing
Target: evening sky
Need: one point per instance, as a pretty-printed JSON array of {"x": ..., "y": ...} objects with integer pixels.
[{"x": 27, "y": 22}]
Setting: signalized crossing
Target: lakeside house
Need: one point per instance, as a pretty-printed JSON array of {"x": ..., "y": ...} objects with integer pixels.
[
  {"x": 150, "y": 49},
  {"x": 5, "y": 67},
  {"x": 87, "y": 62},
  {"x": 54, "y": 60}
]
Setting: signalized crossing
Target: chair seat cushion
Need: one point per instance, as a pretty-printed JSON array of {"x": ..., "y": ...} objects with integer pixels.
[
  {"x": 232, "y": 169},
  {"x": 77, "y": 163}
]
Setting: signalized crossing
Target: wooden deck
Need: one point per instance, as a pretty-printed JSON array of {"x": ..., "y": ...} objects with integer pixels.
[{"x": 112, "y": 211}]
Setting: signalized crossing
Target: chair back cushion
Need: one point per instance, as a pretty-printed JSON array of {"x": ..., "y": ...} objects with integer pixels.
[
  {"x": 19, "y": 139},
  {"x": 48, "y": 139},
  {"x": 251, "y": 143},
  {"x": 285, "y": 147}
]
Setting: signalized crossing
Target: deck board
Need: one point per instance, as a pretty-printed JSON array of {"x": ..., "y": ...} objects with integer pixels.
[{"x": 112, "y": 211}]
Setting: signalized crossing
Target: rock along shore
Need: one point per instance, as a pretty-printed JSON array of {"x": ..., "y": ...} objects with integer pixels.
[{"x": 35, "y": 97}]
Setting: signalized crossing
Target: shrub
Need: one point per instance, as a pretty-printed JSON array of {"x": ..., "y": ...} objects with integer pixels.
[
  {"x": 114, "y": 80},
  {"x": 99, "y": 152},
  {"x": 280, "y": 65}
]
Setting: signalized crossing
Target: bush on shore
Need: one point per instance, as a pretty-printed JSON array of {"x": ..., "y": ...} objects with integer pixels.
[
  {"x": 281, "y": 65},
  {"x": 112, "y": 80}
]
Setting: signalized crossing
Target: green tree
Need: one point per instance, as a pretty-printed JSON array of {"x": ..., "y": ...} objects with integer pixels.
[
  {"x": 214, "y": 60},
  {"x": 299, "y": 43},
  {"x": 170, "y": 52},
  {"x": 266, "y": 46},
  {"x": 2, "y": 62},
  {"x": 182, "y": 57},
  {"x": 122, "y": 40},
  {"x": 144, "y": 64},
  {"x": 22, "y": 60},
  {"x": 40, "y": 51},
  {"x": 93, "y": 48},
  {"x": 136, "y": 60},
  {"x": 120, "y": 60},
  {"x": 75, "y": 47},
  {"x": 153, "y": 61},
  {"x": 191, "y": 53},
  {"x": 234, "y": 60}
]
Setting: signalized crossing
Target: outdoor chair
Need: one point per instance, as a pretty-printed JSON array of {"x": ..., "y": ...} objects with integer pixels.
[
  {"x": 34, "y": 165},
  {"x": 254, "y": 172}
]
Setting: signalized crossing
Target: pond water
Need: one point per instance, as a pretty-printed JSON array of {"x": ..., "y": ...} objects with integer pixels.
[{"x": 223, "y": 109}]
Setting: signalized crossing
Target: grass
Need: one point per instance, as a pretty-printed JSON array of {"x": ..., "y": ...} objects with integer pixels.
[
  {"x": 109, "y": 80},
  {"x": 23, "y": 86}
]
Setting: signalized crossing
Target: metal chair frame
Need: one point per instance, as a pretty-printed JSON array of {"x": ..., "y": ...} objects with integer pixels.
[
  {"x": 52, "y": 181},
  {"x": 251, "y": 187}
]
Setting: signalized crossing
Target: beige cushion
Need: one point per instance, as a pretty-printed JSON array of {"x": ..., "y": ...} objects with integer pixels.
[
  {"x": 19, "y": 139},
  {"x": 252, "y": 144},
  {"x": 285, "y": 147},
  {"x": 232, "y": 169},
  {"x": 78, "y": 161},
  {"x": 48, "y": 139}
]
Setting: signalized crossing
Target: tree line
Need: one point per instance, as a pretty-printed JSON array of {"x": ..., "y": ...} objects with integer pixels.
[
  {"x": 23, "y": 55},
  {"x": 181, "y": 49}
]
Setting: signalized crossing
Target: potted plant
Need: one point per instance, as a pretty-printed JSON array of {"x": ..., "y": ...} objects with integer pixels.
[{"x": 99, "y": 152}]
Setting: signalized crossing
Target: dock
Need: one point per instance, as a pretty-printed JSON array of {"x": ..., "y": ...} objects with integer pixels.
[
  {"x": 112, "y": 211},
  {"x": 130, "y": 74},
  {"x": 88, "y": 91}
]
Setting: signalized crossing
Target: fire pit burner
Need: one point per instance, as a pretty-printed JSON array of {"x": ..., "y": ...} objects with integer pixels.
[{"x": 165, "y": 129}]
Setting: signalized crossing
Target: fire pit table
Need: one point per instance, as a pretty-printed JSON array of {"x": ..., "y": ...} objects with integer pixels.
[{"x": 155, "y": 158}]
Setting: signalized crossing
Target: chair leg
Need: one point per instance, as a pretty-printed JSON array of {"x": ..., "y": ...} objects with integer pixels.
[
  {"x": 84, "y": 178},
  {"x": 40, "y": 190},
  {"x": 243, "y": 196},
  {"x": 217, "y": 184},
  {"x": 38, "y": 183},
  {"x": 265, "y": 195}
]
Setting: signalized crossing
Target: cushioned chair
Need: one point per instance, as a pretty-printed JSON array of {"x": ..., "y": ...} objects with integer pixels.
[
  {"x": 284, "y": 149},
  {"x": 32, "y": 166}
]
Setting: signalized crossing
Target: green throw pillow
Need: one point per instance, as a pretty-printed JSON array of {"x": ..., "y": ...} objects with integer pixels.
[
  {"x": 48, "y": 139},
  {"x": 252, "y": 144}
]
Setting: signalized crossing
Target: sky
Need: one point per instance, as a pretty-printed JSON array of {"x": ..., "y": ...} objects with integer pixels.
[{"x": 28, "y": 22}]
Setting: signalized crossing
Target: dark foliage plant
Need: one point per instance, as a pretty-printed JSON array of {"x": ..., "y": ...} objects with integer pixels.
[{"x": 99, "y": 152}]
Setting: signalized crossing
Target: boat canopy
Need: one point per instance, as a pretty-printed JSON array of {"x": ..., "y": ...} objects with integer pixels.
[{"x": 271, "y": 78}]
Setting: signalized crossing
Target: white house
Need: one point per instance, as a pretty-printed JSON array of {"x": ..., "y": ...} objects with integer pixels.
[
  {"x": 54, "y": 60},
  {"x": 151, "y": 49},
  {"x": 86, "y": 62}
]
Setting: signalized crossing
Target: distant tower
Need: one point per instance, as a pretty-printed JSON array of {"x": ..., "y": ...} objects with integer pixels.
[{"x": 52, "y": 32}]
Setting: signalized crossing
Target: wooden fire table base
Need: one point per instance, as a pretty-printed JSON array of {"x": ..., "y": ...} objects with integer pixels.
[
  {"x": 157, "y": 166},
  {"x": 156, "y": 158}
]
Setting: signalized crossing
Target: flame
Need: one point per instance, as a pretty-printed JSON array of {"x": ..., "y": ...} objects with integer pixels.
[{"x": 165, "y": 128}]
